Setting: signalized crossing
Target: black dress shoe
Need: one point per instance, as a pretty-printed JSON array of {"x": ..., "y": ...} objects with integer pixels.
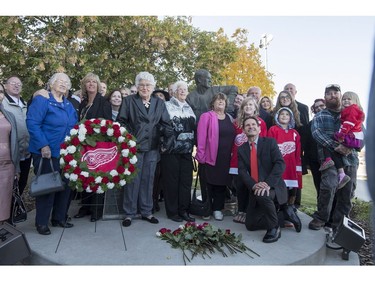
[
  {"x": 186, "y": 217},
  {"x": 176, "y": 218},
  {"x": 151, "y": 219},
  {"x": 272, "y": 235},
  {"x": 61, "y": 224},
  {"x": 43, "y": 229},
  {"x": 291, "y": 215}
]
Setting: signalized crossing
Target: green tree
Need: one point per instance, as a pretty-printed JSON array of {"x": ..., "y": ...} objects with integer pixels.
[
  {"x": 247, "y": 70},
  {"x": 115, "y": 48}
]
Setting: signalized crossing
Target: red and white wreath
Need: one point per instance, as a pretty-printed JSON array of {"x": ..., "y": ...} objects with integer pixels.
[{"x": 98, "y": 155}]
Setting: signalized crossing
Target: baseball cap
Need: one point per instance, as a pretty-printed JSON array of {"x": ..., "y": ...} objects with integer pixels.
[{"x": 332, "y": 87}]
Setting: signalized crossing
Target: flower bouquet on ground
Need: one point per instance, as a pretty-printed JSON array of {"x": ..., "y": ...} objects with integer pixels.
[
  {"x": 98, "y": 155},
  {"x": 204, "y": 240}
]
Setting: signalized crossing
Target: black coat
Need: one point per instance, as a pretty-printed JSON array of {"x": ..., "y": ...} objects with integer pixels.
[
  {"x": 271, "y": 167},
  {"x": 101, "y": 108},
  {"x": 146, "y": 126}
]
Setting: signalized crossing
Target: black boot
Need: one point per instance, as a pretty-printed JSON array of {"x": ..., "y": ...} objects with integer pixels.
[{"x": 291, "y": 215}]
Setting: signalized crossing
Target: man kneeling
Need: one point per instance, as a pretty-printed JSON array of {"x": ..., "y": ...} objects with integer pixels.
[{"x": 268, "y": 192}]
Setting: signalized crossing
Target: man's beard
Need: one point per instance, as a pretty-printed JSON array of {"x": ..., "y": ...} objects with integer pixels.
[{"x": 333, "y": 103}]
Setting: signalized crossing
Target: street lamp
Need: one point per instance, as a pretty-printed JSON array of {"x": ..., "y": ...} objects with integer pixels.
[{"x": 264, "y": 42}]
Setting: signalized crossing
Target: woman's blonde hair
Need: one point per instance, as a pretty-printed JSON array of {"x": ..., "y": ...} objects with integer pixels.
[{"x": 89, "y": 76}]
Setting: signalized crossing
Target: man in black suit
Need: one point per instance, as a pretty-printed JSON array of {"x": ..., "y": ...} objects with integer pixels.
[
  {"x": 304, "y": 118},
  {"x": 268, "y": 194}
]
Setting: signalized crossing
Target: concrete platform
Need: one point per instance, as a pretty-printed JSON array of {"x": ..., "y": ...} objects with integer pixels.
[{"x": 106, "y": 242}]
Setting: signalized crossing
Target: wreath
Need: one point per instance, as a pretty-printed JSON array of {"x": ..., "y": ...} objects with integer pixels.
[{"x": 98, "y": 155}]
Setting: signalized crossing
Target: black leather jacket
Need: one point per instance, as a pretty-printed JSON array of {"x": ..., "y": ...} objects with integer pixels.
[{"x": 149, "y": 126}]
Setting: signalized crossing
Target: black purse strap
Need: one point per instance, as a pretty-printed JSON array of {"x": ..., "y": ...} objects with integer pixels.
[{"x": 40, "y": 168}]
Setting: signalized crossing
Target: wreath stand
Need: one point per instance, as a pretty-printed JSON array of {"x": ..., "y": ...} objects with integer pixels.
[{"x": 114, "y": 197}]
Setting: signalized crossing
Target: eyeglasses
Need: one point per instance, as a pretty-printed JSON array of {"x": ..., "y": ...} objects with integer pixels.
[
  {"x": 63, "y": 82},
  {"x": 321, "y": 106},
  {"x": 145, "y": 85},
  {"x": 285, "y": 98},
  {"x": 15, "y": 84},
  {"x": 134, "y": 92}
]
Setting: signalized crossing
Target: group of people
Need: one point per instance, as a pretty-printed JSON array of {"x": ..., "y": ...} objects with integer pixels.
[{"x": 242, "y": 141}]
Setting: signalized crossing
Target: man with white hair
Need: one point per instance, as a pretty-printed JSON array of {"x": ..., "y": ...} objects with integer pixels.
[{"x": 147, "y": 118}]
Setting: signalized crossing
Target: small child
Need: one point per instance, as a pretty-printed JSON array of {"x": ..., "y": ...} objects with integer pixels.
[
  {"x": 349, "y": 135},
  {"x": 289, "y": 142}
]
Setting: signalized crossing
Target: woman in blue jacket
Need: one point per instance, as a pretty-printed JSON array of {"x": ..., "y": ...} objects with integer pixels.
[{"x": 49, "y": 121}]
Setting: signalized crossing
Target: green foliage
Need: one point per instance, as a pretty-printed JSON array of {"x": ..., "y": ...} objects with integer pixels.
[{"x": 115, "y": 48}]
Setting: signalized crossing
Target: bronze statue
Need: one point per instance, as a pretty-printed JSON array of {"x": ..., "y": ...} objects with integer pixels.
[{"x": 200, "y": 98}]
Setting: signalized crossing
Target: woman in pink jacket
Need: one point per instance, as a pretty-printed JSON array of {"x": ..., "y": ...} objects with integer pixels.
[{"x": 215, "y": 136}]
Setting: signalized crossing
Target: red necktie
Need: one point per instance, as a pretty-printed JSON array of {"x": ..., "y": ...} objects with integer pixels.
[{"x": 254, "y": 162}]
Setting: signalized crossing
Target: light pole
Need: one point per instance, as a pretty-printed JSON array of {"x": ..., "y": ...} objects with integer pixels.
[{"x": 264, "y": 42}]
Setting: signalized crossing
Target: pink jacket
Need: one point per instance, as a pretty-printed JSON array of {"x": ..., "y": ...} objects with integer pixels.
[{"x": 207, "y": 138}]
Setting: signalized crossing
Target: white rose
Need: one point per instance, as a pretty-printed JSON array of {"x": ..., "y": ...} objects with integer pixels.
[
  {"x": 127, "y": 172},
  {"x": 81, "y": 138},
  {"x": 88, "y": 189},
  {"x": 158, "y": 234},
  {"x": 125, "y": 152},
  {"x": 67, "y": 138},
  {"x": 73, "y": 163},
  {"x": 66, "y": 175},
  {"x": 113, "y": 173},
  {"x": 110, "y": 185},
  {"x": 73, "y": 177},
  {"x": 122, "y": 130},
  {"x": 99, "y": 190},
  {"x": 110, "y": 132},
  {"x": 71, "y": 149},
  {"x": 122, "y": 182},
  {"x": 73, "y": 132},
  {"x": 132, "y": 143},
  {"x": 121, "y": 139},
  {"x": 133, "y": 160},
  {"x": 102, "y": 123},
  {"x": 62, "y": 162},
  {"x": 85, "y": 174},
  {"x": 98, "y": 179},
  {"x": 97, "y": 130}
]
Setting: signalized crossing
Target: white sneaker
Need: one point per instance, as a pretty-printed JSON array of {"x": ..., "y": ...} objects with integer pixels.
[{"x": 218, "y": 215}]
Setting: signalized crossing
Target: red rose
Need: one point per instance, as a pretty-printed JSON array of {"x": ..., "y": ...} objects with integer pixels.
[
  {"x": 124, "y": 145},
  {"x": 131, "y": 168},
  {"x": 125, "y": 160},
  {"x": 63, "y": 145},
  {"x": 87, "y": 123},
  {"x": 76, "y": 127},
  {"x": 116, "y": 133},
  {"x": 96, "y": 121},
  {"x": 75, "y": 141},
  {"x": 103, "y": 130},
  {"x": 129, "y": 136},
  {"x": 108, "y": 122},
  {"x": 67, "y": 168},
  {"x": 77, "y": 170},
  {"x": 164, "y": 230},
  {"x": 116, "y": 179},
  {"x": 116, "y": 127},
  {"x": 68, "y": 158},
  {"x": 133, "y": 150},
  {"x": 120, "y": 169},
  {"x": 90, "y": 130},
  {"x": 105, "y": 180}
]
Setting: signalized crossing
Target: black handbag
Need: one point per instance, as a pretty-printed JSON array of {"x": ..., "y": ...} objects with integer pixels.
[
  {"x": 19, "y": 212},
  {"x": 47, "y": 183},
  {"x": 199, "y": 207}
]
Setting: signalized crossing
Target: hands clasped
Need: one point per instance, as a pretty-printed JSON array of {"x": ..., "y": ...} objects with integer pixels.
[
  {"x": 46, "y": 152},
  {"x": 261, "y": 189}
]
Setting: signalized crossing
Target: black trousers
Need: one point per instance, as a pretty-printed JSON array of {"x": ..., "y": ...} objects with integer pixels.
[
  {"x": 24, "y": 175},
  {"x": 264, "y": 214},
  {"x": 177, "y": 171}
]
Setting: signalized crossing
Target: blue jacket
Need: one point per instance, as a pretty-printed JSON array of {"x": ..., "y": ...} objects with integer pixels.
[{"x": 49, "y": 122}]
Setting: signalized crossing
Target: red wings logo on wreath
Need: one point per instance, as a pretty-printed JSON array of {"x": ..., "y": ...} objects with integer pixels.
[
  {"x": 287, "y": 148},
  {"x": 100, "y": 157}
]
